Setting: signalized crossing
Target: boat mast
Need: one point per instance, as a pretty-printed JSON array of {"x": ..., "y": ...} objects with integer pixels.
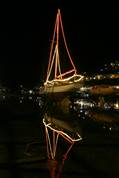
[
  {"x": 50, "y": 64},
  {"x": 54, "y": 56},
  {"x": 57, "y": 62}
]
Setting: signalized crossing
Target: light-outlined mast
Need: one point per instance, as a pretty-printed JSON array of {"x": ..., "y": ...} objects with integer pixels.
[{"x": 54, "y": 57}]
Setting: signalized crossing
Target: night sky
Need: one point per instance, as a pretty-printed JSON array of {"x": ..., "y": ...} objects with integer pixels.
[{"x": 92, "y": 34}]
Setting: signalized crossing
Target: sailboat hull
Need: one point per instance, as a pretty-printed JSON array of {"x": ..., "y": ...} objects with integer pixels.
[{"x": 62, "y": 88}]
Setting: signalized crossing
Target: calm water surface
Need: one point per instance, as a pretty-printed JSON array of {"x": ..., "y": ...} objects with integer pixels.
[{"x": 23, "y": 148}]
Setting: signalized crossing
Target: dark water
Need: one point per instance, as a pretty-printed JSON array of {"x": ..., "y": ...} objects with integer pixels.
[{"x": 23, "y": 147}]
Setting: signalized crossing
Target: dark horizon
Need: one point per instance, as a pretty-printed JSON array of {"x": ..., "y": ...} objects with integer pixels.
[{"x": 91, "y": 34}]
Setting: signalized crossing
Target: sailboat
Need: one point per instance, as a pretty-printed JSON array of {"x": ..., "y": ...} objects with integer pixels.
[{"x": 56, "y": 80}]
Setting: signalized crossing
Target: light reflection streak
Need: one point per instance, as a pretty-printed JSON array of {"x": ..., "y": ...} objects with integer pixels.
[{"x": 53, "y": 131}]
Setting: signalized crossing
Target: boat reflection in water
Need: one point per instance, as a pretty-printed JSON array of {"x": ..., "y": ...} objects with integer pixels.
[
  {"x": 59, "y": 131},
  {"x": 91, "y": 127}
]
